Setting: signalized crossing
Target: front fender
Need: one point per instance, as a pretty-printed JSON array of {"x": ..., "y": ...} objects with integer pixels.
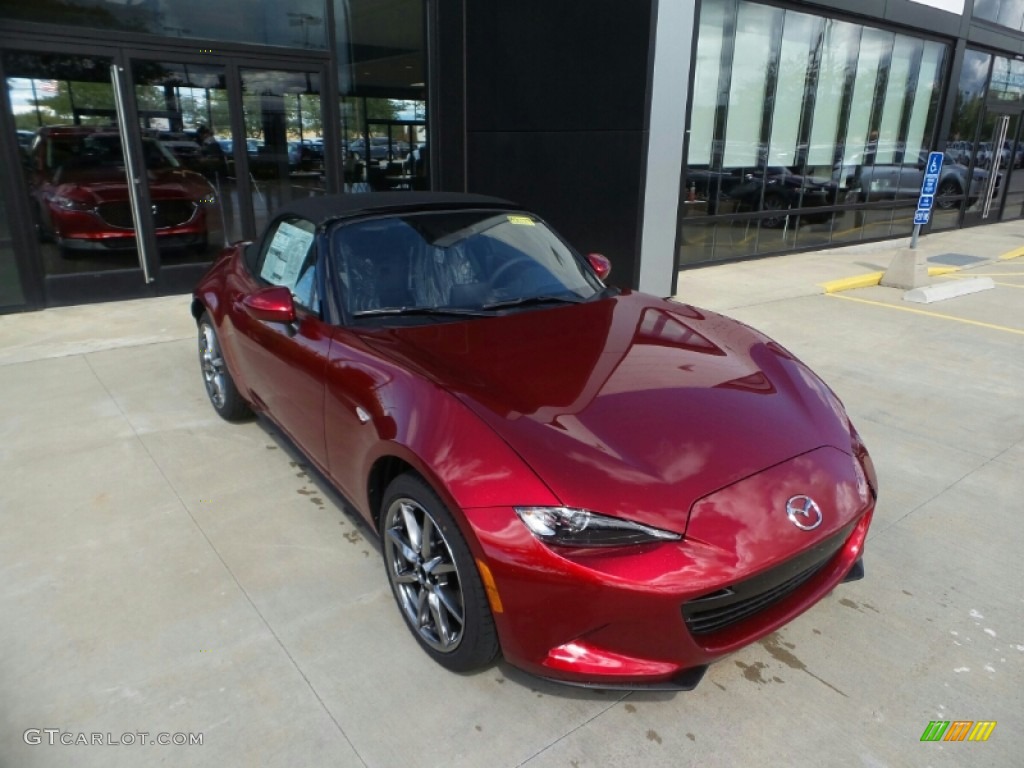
[{"x": 462, "y": 458}]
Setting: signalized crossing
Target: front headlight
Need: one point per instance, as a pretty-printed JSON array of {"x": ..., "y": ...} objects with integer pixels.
[
  {"x": 582, "y": 528},
  {"x": 70, "y": 204}
]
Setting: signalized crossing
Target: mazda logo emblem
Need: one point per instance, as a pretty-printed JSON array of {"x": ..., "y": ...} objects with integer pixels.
[{"x": 803, "y": 512}]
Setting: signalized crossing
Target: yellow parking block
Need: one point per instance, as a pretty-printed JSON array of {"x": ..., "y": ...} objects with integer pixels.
[
  {"x": 1015, "y": 253},
  {"x": 874, "y": 278},
  {"x": 849, "y": 283}
]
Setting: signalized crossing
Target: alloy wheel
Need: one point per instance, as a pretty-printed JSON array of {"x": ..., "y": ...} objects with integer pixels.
[
  {"x": 423, "y": 573},
  {"x": 213, "y": 365}
]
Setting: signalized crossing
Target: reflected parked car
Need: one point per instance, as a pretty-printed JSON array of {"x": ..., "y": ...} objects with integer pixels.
[
  {"x": 378, "y": 148},
  {"x": 776, "y": 190},
  {"x": 77, "y": 178},
  {"x": 184, "y": 148},
  {"x": 25, "y": 139},
  {"x": 868, "y": 180},
  {"x": 609, "y": 488}
]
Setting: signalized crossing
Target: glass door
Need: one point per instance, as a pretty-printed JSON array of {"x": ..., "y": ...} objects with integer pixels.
[
  {"x": 128, "y": 170},
  {"x": 991, "y": 170},
  {"x": 183, "y": 116},
  {"x": 1012, "y": 183},
  {"x": 136, "y": 170},
  {"x": 73, "y": 172}
]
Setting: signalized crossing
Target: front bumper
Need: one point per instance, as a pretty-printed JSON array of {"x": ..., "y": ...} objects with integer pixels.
[
  {"x": 656, "y": 615},
  {"x": 89, "y": 231}
]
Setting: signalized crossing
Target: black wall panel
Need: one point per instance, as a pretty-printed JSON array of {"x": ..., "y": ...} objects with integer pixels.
[
  {"x": 555, "y": 115},
  {"x": 538, "y": 65},
  {"x": 586, "y": 184}
]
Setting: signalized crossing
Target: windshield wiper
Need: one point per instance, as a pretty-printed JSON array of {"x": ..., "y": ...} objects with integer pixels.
[
  {"x": 524, "y": 300},
  {"x": 454, "y": 311}
]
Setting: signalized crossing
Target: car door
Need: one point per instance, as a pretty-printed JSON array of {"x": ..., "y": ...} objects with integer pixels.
[
  {"x": 286, "y": 361},
  {"x": 912, "y": 176}
]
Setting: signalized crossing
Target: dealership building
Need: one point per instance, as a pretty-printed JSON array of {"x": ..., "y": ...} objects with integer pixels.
[{"x": 662, "y": 133}]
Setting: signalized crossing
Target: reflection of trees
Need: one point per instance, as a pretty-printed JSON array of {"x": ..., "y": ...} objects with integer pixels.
[
  {"x": 92, "y": 102},
  {"x": 303, "y": 116},
  {"x": 357, "y": 111},
  {"x": 968, "y": 108}
]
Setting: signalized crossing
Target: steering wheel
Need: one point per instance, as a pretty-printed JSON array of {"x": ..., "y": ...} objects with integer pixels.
[{"x": 521, "y": 263}]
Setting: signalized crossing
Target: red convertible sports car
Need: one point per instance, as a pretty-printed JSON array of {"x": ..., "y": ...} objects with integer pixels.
[{"x": 609, "y": 488}]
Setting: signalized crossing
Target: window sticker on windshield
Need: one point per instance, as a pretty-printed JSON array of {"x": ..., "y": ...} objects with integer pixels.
[
  {"x": 285, "y": 255},
  {"x": 525, "y": 221}
]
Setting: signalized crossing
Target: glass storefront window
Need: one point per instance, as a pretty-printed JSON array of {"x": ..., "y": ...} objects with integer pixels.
[
  {"x": 1006, "y": 13},
  {"x": 803, "y": 131},
  {"x": 706, "y": 78},
  {"x": 798, "y": 35},
  {"x": 756, "y": 26},
  {"x": 1011, "y": 12},
  {"x": 383, "y": 107},
  {"x": 282, "y": 113},
  {"x": 839, "y": 41},
  {"x": 291, "y": 23}
]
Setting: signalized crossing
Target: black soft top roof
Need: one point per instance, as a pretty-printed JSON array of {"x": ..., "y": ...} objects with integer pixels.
[{"x": 327, "y": 207}]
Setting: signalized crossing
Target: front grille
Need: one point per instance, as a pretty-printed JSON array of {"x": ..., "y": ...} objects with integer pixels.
[
  {"x": 116, "y": 214},
  {"x": 725, "y": 607},
  {"x": 173, "y": 213},
  {"x": 167, "y": 213}
]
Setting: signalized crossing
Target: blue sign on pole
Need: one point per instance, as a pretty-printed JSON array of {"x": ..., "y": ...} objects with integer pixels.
[{"x": 929, "y": 186}]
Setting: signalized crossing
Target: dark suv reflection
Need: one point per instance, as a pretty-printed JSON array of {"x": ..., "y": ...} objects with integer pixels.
[
  {"x": 78, "y": 181},
  {"x": 774, "y": 189}
]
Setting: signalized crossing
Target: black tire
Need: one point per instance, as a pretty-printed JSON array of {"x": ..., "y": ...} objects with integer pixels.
[
  {"x": 220, "y": 387},
  {"x": 780, "y": 211},
  {"x": 948, "y": 189},
  {"x": 435, "y": 581}
]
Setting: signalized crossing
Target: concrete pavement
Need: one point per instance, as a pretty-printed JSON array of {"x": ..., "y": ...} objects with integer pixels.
[{"x": 162, "y": 571}]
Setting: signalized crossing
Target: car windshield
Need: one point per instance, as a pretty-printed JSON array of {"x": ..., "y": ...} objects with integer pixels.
[
  {"x": 85, "y": 155},
  {"x": 456, "y": 263}
]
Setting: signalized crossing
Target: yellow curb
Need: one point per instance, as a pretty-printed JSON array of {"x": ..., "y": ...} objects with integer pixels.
[
  {"x": 849, "y": 283},
  {"x": 1015, "y": 253},
  {"x": 874, "y": 278}
]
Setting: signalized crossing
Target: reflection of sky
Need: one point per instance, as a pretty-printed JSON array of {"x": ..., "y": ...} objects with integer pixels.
[
  {"x": 22, "y": 97},
  {"x": 953, "y": 6},
  {"x": 974, "y": 73}
]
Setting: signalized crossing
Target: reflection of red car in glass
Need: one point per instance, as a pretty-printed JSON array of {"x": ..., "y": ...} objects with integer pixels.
[{"x": 78, "y": 179}]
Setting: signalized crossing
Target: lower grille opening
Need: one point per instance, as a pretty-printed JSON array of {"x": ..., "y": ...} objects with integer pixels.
[{"x": 724, "y": 607}]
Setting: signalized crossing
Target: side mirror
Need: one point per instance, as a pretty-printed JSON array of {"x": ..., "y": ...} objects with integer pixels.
[
  {"x": 600, "y": 264},
  {"x": 272, "y": 305}
]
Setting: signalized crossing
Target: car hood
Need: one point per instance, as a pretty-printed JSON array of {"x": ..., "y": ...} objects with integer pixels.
[
  {"x": 629, "y": 405},
  {"x": 109, "y": 184}
]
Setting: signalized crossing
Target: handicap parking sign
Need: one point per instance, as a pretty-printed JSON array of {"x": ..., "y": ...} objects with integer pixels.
[{"x": 921, "y": 217}]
